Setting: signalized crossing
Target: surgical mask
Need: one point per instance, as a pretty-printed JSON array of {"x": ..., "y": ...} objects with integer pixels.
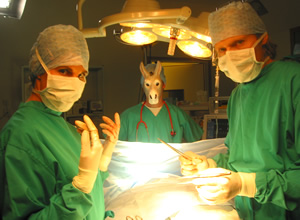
[
  {"x": 241, "y": 65},
  {"x": 61, "y": 91}
]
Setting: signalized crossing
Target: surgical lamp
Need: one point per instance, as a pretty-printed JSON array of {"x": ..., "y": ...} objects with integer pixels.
[
  {"x": 143, "y": 22},
  {"x": 12, "y": 8}
]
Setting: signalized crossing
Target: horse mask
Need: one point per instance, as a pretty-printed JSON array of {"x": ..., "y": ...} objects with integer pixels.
[{"x": 153, "y": 84}]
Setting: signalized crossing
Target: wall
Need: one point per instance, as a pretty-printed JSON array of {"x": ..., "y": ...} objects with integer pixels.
[
  {"x": 120, "y": 62},
  {"x": 179, "y": 76}
]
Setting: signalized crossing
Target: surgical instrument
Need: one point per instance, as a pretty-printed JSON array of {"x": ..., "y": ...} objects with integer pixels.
[
  {"x": 177, "y": 151},
  {"x": 187, "y": 180}
]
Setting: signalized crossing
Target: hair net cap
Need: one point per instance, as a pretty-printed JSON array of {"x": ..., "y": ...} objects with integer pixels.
[
  {"x": 234, "y": 19},
  {"x": 59, "y": 45},
  {"x": 151, "y": 68}
]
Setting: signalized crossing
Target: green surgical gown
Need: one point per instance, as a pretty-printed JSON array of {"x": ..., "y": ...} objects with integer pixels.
[
  {"x": 39, "y": 156},
  {"x": 158, "y": 126},
  {"x": 264, "y": 138}
]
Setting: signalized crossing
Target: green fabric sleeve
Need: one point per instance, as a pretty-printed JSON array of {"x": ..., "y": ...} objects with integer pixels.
[
  {"x": 31, "y": 184},
  {"x": 283, "y": 188},
  {"x": 104, "y": 175},
  {"x": 221, "y": 160},
  {"x": 71, "y": 203},
  {"x": 123, "y": 135},
  {"x": 275, "y": 187},
  {"x": 191, "y": 130}
]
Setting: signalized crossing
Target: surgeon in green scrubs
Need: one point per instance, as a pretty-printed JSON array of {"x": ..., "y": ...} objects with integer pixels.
[
  {"x": 155, "y": 118},
  {"x": 264, "y": 122},
  {"x": 48, "y": 169}
]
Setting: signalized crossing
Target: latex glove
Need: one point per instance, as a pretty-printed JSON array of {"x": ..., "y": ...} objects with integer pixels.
[
  {"x": 197, "y": 164},
  {"x": 216, "y": 190},
  {"x": 111, "y": 129},
  {"x": 91, "y": 150}
]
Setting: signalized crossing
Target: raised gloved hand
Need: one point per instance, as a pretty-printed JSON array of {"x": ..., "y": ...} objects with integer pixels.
[
  {"x": 111, "y": 129},
  {"x": 198, "y": 163},
  {"x": 91, "y": 151},
  {"x": 221, "y": 188}
]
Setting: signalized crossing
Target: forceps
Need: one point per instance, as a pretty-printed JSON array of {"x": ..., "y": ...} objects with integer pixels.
[{"x": 177, "y": 151}]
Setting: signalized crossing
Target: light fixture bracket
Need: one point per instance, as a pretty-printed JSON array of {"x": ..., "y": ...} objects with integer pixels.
[{"x": 173, "y": 19}]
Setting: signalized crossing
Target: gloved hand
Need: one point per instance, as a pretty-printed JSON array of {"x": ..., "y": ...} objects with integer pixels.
[
  {"x": 220, "y": 189},
  {"x": 111, "y": 129},
  {"x": 91, "y": 151},
  {"x": 199, "y": 163}
]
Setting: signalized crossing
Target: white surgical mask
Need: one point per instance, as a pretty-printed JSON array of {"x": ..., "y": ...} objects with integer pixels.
[
  {"x": 61, "y": 91},
  {"x": 241, "y": 65}
]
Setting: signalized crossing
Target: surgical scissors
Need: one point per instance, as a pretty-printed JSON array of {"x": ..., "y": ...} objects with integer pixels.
[{"x": 177, "y": 151}]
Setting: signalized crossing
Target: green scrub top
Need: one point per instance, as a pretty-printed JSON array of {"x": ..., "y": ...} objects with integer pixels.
[
  {"x": 264, "y": 138},
  {"x": 159, "y": 126},
  {"x": 39, "y": 156}
]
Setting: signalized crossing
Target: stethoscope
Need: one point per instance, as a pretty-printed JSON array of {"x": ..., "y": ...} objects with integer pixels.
[{"x": 173, "y": 133}]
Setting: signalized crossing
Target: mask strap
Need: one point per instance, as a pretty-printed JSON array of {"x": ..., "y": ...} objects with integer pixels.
[
  {"x": 41, "y": 61},
  {"x": 259, "y": 39}
]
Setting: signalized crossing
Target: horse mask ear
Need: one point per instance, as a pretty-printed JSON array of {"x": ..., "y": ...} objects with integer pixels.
[
  {"x": 143, "y": 70},
  {"x": 157, "y": 69}
]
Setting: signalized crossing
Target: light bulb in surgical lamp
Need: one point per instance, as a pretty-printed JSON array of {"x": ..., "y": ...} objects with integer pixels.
[
  {"x": 194, "y": 49},
  {"x": 202, "y": 37},
  {"x": 165, "y": 32},
  {"x": 137, "y": 25},
  {"x": 138, "y": 37}
]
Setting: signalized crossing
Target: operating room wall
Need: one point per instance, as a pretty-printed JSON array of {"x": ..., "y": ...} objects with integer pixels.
[
  {"x": 120, "y": 62},
  {"x": 178, "y": 78}
]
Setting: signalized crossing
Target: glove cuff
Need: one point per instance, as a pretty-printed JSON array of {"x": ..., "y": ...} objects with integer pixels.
[
  {"x": 211, "y": 163},
  {"x": 85, "y": 180},
  {"x": 248, "y": 184}
]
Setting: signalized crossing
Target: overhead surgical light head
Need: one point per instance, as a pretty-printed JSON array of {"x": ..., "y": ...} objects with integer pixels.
[{"x": 147, "y": 23}]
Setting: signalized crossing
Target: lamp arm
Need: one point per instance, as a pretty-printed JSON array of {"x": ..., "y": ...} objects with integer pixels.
[
  {"x": 181, "y": 15},
  {"x": 79, "y": 14}
]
